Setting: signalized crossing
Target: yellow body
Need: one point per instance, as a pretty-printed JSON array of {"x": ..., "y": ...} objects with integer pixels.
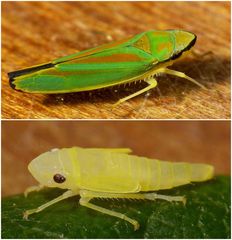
[
  {"x": 110, "y": 173},
  {"x": 112, "y": 170}
]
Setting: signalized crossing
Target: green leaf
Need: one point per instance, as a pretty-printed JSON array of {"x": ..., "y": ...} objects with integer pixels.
[{"x": 205, "y": 215}]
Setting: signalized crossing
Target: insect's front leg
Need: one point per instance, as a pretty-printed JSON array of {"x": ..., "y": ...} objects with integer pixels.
[
  {"x": 65, "y": 195},
  {"x": 33, "y": 189}
]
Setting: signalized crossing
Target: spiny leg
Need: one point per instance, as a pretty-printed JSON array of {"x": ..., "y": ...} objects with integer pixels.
[
  {"x": 87, "y": 195},
  {"x": 65, "y": 195},
  {"x": 144, "y": 196},
  {"x": 33, "y": 189},
  {"x": 179, "y": 74},
  {"x": 152, "y": 84},
  {"x": 85, "y": 202}
]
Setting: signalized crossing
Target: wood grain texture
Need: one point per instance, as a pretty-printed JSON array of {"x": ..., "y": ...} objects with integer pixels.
[
  {"x": 37, "y": 32},
  {"x": 180, "y": 141}
]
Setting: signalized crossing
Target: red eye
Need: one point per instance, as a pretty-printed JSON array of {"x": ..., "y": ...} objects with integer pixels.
[{"x": 58, "y": 178}]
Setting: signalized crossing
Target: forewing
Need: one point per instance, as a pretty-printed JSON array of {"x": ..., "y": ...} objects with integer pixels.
[
  {"x": 92, "y": 72},
  {"x": 104, "y": 66}
]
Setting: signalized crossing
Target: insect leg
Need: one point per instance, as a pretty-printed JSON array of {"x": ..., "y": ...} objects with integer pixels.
[
  {"x": 92, "y": 194},
  {"x": 85, "y": 202},
  {"x": 33, "y": 189},
  {"x": 87, "y": 195},
  {"x": 179, "y": 74},
  {"x": 65, "y": 195},
  {"x": 148, "y": 196},
  {"x": 152, "y": 84},
  {"x": 154, "y": 196}
]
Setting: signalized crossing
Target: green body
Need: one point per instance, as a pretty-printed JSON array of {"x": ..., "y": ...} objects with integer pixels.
[{"x": 110, "y": 64}]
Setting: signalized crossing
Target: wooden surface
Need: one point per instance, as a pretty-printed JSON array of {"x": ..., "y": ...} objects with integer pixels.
[
  {"x": 37, "y": 32},
  {"x": 189, "y": 141}
]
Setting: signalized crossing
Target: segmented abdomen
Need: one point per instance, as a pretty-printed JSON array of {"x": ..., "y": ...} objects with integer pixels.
[
  {"x": 112, "y": 171},
  {"x": 155, "y": 174}
]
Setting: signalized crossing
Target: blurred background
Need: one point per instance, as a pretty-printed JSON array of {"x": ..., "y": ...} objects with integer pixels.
[{"x": 190, "y": 141}]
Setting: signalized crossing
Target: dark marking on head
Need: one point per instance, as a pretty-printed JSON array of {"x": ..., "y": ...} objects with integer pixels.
[
  {"x": 175, "y": 56},
  {"x": 58, "y": 178},
  {"x": 190, "y": 45}
]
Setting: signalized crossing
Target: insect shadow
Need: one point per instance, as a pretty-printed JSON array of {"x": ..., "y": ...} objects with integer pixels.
[{"x": 207, "y": 70}]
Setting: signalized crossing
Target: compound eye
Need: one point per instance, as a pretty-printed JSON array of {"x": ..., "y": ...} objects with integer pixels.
[{"x": 58, "y": 178}]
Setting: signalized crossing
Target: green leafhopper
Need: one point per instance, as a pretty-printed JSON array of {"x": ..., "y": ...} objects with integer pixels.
[{"x": 136, "y": 58}]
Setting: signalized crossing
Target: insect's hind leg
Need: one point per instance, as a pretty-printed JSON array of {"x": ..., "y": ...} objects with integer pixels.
[
  {"x": 87, "y": 195},
  {"x": 179, "y": 74},
  {"x": 152, "y": 84},
  {"x": 85, "y": 202},
  {"x": 142, "y": 196},
  {"x": 154, "y": 196}
]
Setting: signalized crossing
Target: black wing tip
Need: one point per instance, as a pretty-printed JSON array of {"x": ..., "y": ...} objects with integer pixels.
[
  {"x": 13, "y": 75},
  {"x": 12, "y": 84}
]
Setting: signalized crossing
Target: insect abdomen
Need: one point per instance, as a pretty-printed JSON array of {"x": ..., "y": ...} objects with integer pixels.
[{"x": 166, "y": 175}]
